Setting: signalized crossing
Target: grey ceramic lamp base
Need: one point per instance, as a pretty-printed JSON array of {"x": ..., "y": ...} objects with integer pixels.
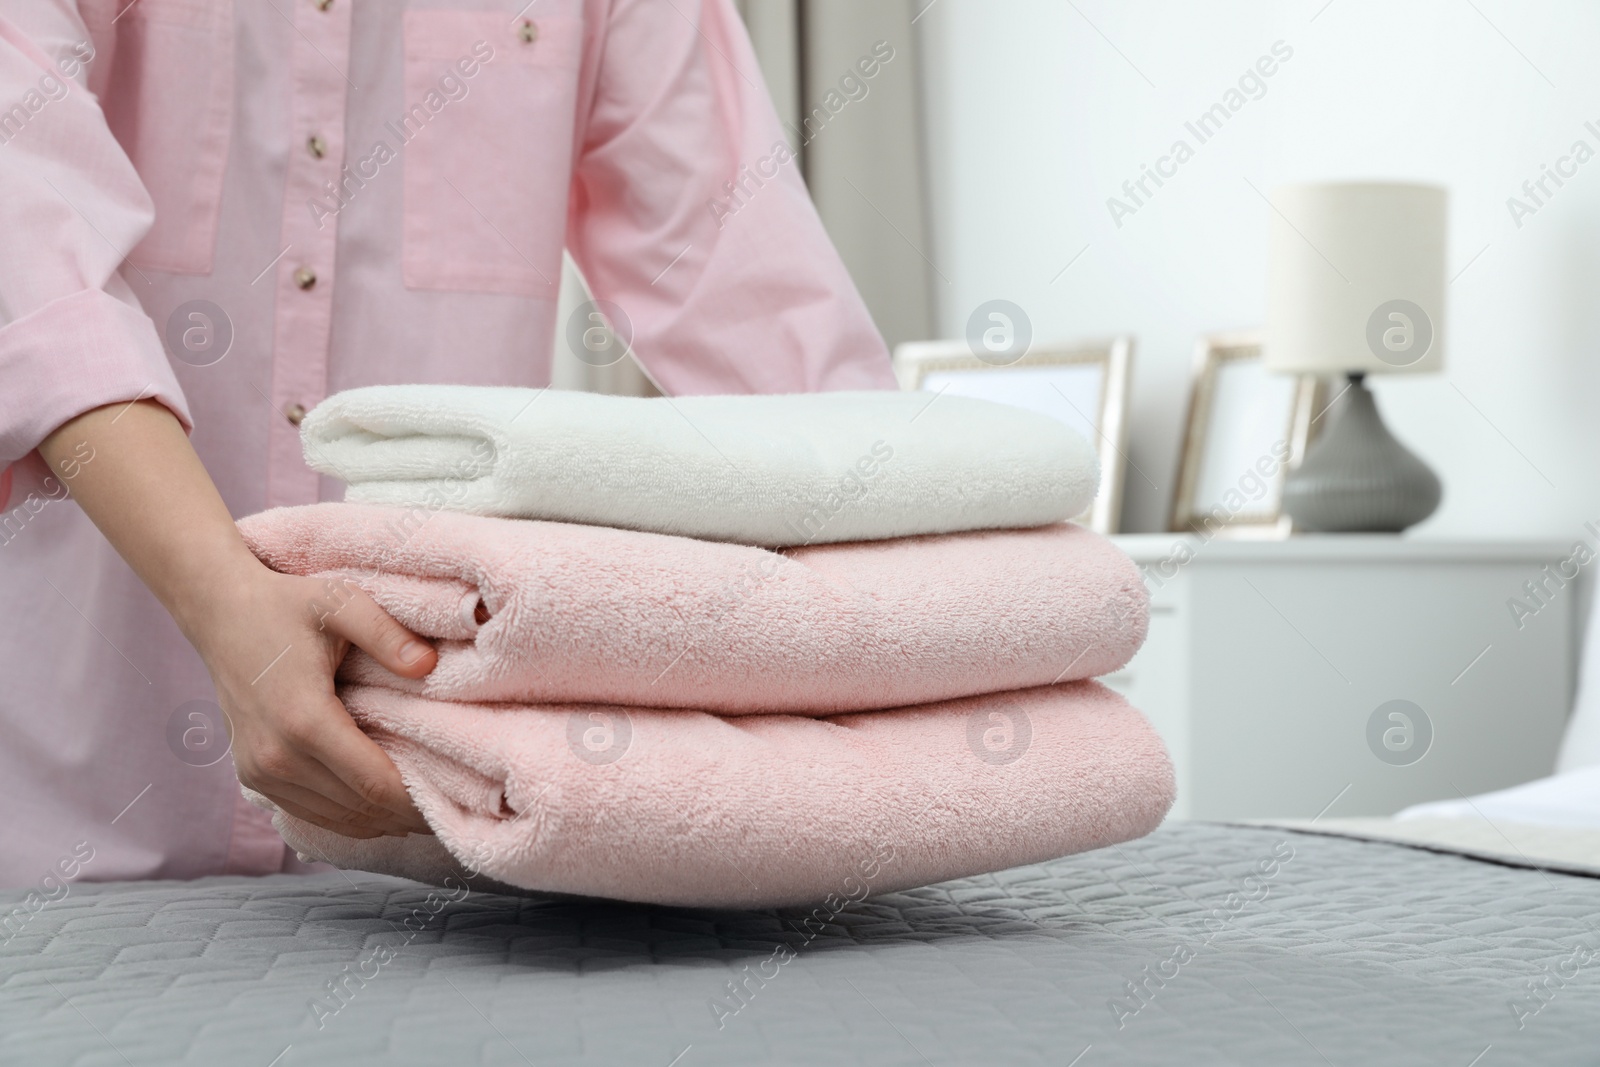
[{"x": 1356, "y": 478}]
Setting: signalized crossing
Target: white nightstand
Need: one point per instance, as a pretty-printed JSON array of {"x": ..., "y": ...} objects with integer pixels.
[{"x": 1267, "y": 659}]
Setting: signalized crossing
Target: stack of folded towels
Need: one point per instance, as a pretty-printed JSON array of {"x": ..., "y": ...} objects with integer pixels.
[{"x": 728, "y": 651}]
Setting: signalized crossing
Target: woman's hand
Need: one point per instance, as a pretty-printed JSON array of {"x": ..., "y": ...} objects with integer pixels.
[
  {"x": 269, "y": 642},
  {"x": 272, "y": 643}
]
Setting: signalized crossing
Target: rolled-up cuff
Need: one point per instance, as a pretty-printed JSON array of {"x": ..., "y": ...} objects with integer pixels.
[{"x": 75, "y": 354}]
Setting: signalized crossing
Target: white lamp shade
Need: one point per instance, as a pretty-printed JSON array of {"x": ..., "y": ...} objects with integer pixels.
[{"x": 1356, "y": 278}]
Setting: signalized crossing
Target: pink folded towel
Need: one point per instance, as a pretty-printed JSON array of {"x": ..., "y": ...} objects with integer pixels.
[
  {"x": 537, "y": 612},
  {"x": 689, "y": 808}
]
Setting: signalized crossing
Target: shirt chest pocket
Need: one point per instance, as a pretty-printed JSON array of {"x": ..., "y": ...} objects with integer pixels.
[
  {"x": 487, "y": 131},
  {"x": 168, "y": 100}
]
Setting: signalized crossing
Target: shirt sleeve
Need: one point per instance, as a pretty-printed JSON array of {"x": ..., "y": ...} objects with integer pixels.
[
  {"x": 689, "y": 213},
  {"x": 72, "y": 334}
]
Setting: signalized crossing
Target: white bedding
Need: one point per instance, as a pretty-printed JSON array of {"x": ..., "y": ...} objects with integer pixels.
[
  {"x": 1551, "y": 823},
  {"x": 1574, "y": 849},
  {"x": 1571, "y": 799}
]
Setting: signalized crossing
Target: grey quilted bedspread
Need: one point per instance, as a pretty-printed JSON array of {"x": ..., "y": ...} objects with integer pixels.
[{"x": 1200, "y": 944}]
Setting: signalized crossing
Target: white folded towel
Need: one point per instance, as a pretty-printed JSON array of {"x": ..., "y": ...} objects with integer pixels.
[{"x": 763, "y": 470}]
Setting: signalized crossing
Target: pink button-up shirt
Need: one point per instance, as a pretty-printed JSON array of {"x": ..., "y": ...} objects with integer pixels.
[{"x": 241, "y": 208}]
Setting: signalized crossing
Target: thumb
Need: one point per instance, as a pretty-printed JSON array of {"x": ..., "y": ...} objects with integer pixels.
[{"x": 367, "y": 626}]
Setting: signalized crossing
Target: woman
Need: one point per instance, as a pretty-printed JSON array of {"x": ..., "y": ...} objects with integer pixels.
[{"x": 215, "y": 215}]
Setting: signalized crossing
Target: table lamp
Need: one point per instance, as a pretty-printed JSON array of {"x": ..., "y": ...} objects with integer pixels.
[{"x": 1356, "y": 286}]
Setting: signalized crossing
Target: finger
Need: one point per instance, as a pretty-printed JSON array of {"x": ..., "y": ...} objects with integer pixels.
[
  {"x": 357, "y": 761},
  {"x": 367, "y": 626},
  {"x": 324, "y": 752},
  {"x": 297, "y": 778},
  {"x": 319, "y": 803},
  {"x": 311, "y": 774},
  {"x": 317, "y": 819}
]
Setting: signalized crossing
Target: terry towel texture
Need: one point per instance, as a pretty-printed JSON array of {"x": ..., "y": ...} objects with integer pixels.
[
  {"x": 764, "y": 470},
  {"x": 536, "y": 612},
  {"x": 688, "y": 808}
]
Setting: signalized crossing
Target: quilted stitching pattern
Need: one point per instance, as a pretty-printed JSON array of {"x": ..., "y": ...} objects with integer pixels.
[{"x": 1348, "y": 953}]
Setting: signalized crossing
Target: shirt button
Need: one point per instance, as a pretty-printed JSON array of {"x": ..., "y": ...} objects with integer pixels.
[
  {"x": 305, "y": 277},
  {"x": 528, "y": 31},
  {"x": 295, "y": 413},
  {"x": 316, "y": 146},
  {"x": 323, "y": 5}
]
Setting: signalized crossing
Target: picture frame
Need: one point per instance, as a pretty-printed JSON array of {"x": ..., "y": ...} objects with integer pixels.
[
  {"x": 1245, "y": 430},
  {"x": 1082, "y": 383}
]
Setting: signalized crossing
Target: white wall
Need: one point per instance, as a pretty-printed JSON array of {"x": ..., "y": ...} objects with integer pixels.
[{"x": 1037, "y": 115}]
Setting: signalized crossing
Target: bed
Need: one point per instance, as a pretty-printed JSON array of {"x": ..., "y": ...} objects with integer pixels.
[{"x": 1200, "y": 944}]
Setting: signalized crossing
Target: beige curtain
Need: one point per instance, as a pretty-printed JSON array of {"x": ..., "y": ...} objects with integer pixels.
[
  {"x": 863, "y": 158},
  {"x": 774, "y": 27},
  {"x": 859, "y": 139}
]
